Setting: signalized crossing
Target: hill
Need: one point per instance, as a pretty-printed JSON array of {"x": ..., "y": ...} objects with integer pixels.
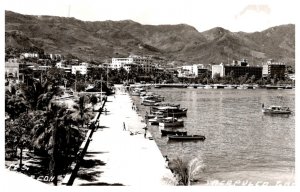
[{"x": 183, "y": 43}]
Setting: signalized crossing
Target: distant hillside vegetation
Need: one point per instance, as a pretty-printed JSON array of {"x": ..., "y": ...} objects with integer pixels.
[{"x": 183, "y": 43}]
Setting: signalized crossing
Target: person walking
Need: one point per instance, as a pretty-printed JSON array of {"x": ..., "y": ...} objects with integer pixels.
[
  {"x": 145, "y": 134},
  {"x": 124, "y": 127}
]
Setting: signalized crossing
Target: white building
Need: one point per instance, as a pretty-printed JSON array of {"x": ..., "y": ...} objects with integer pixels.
[
  {"x": 30, "y": 55},
  {"x": 118, "y": 63},
  {"x": 81, "y": 69},
  {"x": 191, "y": 70},
  {"x": 145, "y": 63},
  {"x": 218, "y": 69},
  {"x": 12, "y": 69}
]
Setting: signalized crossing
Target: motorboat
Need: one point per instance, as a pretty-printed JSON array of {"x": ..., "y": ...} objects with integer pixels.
[
  {"x": 186, "y": 137},
  {"x": 207, "y": 87},
  {"x": 171, "y": 122},
  {"x": 156, "y": 120},
  {"x": 165, "y": 132},
  {"x": 171, "y": 111},
  {"x": 149, "y": 103},
  {"x": 273, "y": 109},
  {"x": 229, "y": 87}
]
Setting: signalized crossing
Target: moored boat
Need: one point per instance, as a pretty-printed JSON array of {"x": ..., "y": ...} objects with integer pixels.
[
  {"x": 171, "y": 122},
  {"x": 186, "y": 137},
  {"x": 273, "y": 109},
  {"x": 171, "y": 132},
  {"x": 170, "y": 111},
  {"x": 149, "y": 103},
  {"x": 207, "y": 87}
]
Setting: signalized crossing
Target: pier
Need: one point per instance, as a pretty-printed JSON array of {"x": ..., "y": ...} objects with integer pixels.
[{"x": 122, "y": 157}]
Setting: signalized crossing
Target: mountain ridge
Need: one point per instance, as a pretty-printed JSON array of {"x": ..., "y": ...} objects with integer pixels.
[{"x": 183, "y": 43}]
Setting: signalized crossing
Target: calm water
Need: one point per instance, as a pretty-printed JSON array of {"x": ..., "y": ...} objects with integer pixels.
[{"x": 241, "y": 143}]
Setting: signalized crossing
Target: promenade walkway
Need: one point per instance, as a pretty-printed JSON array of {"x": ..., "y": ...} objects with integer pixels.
[{"x": 114, "y": 157}]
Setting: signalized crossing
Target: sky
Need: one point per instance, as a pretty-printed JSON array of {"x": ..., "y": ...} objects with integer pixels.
[{"x": 234, "y": 15}]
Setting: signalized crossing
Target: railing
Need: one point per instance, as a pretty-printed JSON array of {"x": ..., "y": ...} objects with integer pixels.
[{"x": 70, "y": 177}]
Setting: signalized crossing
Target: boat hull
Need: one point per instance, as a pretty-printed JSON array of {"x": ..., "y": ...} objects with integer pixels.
[
  {"x": 187, "y": 137},
  {"x": 171, "y": 124},
  {"x": 167, "y": 132}
]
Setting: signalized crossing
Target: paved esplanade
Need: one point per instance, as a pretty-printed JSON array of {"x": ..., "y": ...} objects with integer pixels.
[{"x": 116, "y": 157}]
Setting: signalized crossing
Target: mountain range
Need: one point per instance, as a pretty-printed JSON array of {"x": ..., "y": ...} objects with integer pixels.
[{"x": 177, "y": 44}]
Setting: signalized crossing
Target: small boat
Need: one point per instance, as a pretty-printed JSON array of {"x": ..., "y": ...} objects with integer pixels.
[
  {"x": 186, "y": 137},
  {"x": 229, "y": 87},
  {"x": 157, "y": 86},
  {"x": 149, "y": 103},
  {"x": 163, "y": 104},
  {"x": 135, "y": 93},
  {"x": 171, "y": 111},
  {"x": 208, "y": 87},
  {"x": 171, "y": 122},
  {"x": 156, "y": 120},
  {"x": 170, "y": 132},
  {"x": 273, "y": 109}
]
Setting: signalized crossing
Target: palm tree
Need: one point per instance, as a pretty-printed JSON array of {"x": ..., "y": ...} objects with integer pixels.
[
  {"x": 55, "y": 135},
  {"x": 82, "y": 111},
  {"x": 187, "y": 171}
]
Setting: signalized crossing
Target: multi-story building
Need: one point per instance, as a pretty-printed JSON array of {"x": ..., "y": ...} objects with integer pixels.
[
  {"x": 271, "y": 68},
  {"x": 81, "y": 69},
  {"x": 118, "y": 63},
  {"x": 29, "y": 55},
  {"x": 12, "y": 72},
  {"x": 191, "y": 70},
  {"x": 237, "y": 69},
  {"x": 144, "y": 63}
]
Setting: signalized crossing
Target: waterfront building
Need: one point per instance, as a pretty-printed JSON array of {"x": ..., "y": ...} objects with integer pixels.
[
  {"x": 145, "y": 63},
  {"x": 191, "y": 71},
  {"x": 118, "y": 63},
  {"x": 218, "y": 69},
  {"x": 237, "y": 69},
  {"x": 272, "y": 68}
]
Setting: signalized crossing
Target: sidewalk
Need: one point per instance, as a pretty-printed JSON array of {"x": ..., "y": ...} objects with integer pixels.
[{"x": 114, "y": 157}]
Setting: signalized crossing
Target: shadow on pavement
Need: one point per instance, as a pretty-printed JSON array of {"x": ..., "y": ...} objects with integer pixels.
[
  {"x": 101, "y": 184},
  {"x": 89, "y": 176},
  {"x": 93, "y": 153},
  {"x": 91, "y": 163},
  {"x": 87, "y": 165}
]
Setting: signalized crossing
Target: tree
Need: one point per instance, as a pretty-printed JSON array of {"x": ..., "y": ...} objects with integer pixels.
[
  {"x": 56, "y": 136},
  {"x": 82, "y": 112},
  {"x": 187, "y": 171},
  {"x": 93, "y": 100},
  {"x": 18, "y": 135},
  {"x": 15, "y": 105},
  {"x": 217, "y": 76}
]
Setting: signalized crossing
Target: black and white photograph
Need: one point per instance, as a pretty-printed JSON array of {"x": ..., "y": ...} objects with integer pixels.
[{"x": 140, "y": 93}]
